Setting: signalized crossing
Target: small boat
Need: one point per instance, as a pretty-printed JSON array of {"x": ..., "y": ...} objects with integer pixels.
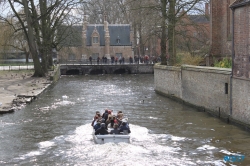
[{"x": 113, "y": 138}]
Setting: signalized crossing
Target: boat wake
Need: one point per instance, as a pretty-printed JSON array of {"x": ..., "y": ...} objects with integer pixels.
[{"x": 144, "y": 149}]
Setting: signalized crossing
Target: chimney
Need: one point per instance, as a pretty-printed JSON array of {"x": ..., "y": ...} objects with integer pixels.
[
  {"x": 105, "y": 16},
  {"x": 207, "y": 9}
]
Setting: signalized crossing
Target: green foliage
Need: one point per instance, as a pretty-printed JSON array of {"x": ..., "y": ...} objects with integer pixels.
[{"x": 224, "y": 63}]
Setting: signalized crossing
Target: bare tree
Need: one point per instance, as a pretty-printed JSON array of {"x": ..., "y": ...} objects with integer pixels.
[{"x": 39, "y": 23}]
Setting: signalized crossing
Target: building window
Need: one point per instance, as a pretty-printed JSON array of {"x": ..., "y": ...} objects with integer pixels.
[
  {"x": 95, "y": 39},
  {"x": 118, "y": 41}
]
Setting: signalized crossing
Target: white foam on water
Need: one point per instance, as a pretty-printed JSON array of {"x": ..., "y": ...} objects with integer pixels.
[{"x": 145, "y": 149}]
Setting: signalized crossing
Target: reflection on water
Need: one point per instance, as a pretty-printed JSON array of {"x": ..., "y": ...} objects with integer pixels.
[{"x": 55, "y": 130}]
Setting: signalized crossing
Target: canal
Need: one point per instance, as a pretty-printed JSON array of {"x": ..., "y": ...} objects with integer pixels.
[{"x": 57, "y": 131}]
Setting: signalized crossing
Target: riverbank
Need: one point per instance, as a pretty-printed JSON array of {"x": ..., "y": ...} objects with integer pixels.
[{"x": 17, "y": 88}]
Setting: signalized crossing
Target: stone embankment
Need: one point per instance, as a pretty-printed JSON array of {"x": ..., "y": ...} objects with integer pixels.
[{"x": 18, "y": 88}]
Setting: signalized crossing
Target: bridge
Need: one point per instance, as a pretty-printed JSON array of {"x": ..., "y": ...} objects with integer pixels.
[{"x": 82, "y": 69}]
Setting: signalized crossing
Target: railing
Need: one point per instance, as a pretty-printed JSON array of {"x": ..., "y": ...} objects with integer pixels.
[
  {"x": 17, "y": 67},
  {"x": 94, "y": 62}
]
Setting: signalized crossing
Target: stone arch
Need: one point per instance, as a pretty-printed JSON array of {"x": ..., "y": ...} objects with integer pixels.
[
  {"x": 122, "y": 71},
  {"x": 73, "y": 72},
  {"x": 97, "y": 71}
]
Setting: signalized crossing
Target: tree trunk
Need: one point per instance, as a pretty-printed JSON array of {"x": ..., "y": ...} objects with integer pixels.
[
  {"x": 27, "y": 53},
  {"x": 171, "y": 33},
  {"x": 163, "y": 33},
  {"x": 31, "y": 40}
]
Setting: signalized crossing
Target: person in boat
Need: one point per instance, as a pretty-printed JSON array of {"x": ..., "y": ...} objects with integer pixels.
[
  {"x": 118, "y": 112},
  {"x": 124, "y": 127},
  {"x": 105, "y": 115},
  {"x": 115, "y": 130},
  {"x": 112, "y": 121},
  {"x": 97, "y": 126},
  {"x": 119, "y": 118},
  {"x": 102, "y": 130},
  {"x": 96, "y": 118}
]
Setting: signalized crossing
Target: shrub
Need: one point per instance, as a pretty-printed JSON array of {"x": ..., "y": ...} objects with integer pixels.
[
  {"x": 188, "y": 59},
  {"x": 224, "y": 63}
]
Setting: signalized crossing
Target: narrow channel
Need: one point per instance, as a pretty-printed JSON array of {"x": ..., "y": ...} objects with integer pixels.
[{"x": 57, "y": 131}]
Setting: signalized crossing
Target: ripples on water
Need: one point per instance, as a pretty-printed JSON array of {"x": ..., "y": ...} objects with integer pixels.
[{"x": 56, "y": 130}]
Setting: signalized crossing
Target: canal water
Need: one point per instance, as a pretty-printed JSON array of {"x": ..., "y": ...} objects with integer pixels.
[{"x": 56, "y": 131}]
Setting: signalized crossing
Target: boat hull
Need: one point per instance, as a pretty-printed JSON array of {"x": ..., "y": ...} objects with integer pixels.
[{"x": 113, "y": 138}]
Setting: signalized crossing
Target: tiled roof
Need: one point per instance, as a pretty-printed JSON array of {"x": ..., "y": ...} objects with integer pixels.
[
  {"x": 239, "y": 3},
  {"x": 119, "y": 31},
  {"x": 199, "y": 18},
  {"x": 115, "y": 31},
  {"x": 72, "y": 36},
  {"x": 100, "y": 29}
]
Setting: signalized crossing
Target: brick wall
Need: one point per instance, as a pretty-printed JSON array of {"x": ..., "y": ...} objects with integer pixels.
[
  {"x": 220, "y": 23},
  {"x": 242, "y": 42}
]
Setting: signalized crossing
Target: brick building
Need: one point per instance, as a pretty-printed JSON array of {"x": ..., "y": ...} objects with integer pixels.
[
  {"x": 103, "y": 40},
  {"x": 241, "y": 39},
  {"x": 220, "y": 29}
]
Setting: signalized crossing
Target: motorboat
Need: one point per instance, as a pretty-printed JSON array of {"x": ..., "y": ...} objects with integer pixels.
[{"x": 112, "y": 138}]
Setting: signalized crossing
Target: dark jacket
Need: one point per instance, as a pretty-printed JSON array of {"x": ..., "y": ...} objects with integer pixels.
[
  {"x": 101, "y": 131},
  {"x": 124, "y": 128},
  {"x": 115, "y": 131},
  {"x": 97, "y": 126}
]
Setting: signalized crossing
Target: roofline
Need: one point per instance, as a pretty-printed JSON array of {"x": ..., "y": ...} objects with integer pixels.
[
  {"x": 239, "y": 5},
  {"x": 109, "y": 25}
]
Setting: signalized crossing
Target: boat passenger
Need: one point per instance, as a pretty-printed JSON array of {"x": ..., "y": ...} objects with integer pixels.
[
  {"x": 119, "y": 112},
  {"x": 115, "y": 130},
  {"x": 97, "y": 126},
  {"x": 105, "y": 115},
  {"x": 124, "y": 127},
  {"x": 119, "y": 119},
  {"x": 102, "y": 130},
  {"x": 107, "y": 122},
  {"x": 96, "y": 118},
  {"x": 112, "y": 121}
]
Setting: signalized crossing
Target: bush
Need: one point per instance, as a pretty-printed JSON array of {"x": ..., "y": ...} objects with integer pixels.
[
  {"x": 224, "y": 63},
  {"x": 188, "y": 59}
]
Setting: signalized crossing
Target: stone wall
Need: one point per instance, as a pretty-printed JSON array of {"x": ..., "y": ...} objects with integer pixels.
[
  {"x": 207, "y": 88},
  {"x": 241, "y": 100},
  {"x": 167, "y": 80}
]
